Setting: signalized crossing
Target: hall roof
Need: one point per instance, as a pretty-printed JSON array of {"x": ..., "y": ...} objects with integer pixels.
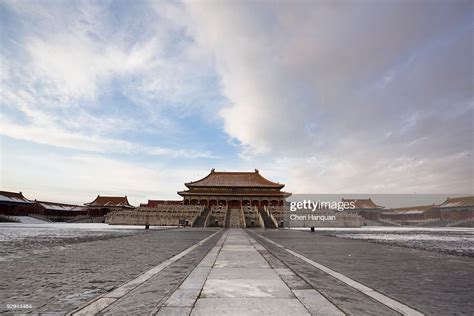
[
  {"x": 110, "y": 201},
  {"x": 234, "y": 179}
]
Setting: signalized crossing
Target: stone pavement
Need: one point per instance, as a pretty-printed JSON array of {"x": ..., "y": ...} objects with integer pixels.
[
  {"x": 238, "y": 276},
  {"x": 64, "y": 277},
  {"x": 434, "y": 283},
  {"x": 235, "y": 279},
  {"x": 236, "y": 272}
]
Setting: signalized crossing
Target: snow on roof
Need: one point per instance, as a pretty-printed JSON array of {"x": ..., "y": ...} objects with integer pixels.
[
  {"x": 404, "y": 212},
  {"x": 13, "y": 197},
  {"x": 110, "y": 201},
  {"x": 458, "y": 202},
  {"x": 60, "y": 206},
  {"x": 363, "y": 203},
  {"x": 411, "y": 209}
]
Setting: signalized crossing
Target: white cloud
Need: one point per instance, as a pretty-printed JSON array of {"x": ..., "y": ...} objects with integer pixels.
[
  {"x": 55, "y": 136},
  {"x": 76, "y": 65},
  {"x": 68, "y": 58},
  {"x": 323, "y": 83}
]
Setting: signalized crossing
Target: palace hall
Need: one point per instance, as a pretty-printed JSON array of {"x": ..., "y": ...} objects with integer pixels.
[{"x": 234, "y": 189}]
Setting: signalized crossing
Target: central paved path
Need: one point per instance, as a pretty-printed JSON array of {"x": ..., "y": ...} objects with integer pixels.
[{"x": 235, "y": 279}]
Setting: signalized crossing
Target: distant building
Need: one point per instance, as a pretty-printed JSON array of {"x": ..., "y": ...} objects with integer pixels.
[
  {"x": 451, "y": 210},
  {"x": 454, "y": 209},
  {"x": 234, "y": 189},
  {"x": 365, "y": 208},
  {"x": 12, "y": 203},
  {"x": 59, "y": 212},
  {"x": 15, "y": 204},
  {"x": 105, "y": 204},
  {"x": 406, "y": 215}
]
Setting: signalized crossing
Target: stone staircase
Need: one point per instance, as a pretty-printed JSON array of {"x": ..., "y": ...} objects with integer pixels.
[
  {"x": 267, "y": 221},
  {"x": 227, "y": 218},
  {"x": 233, "y": 218},
  {"x": 201, "y": 220}
]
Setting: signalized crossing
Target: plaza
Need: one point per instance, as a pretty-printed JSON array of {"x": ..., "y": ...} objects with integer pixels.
[{"x": 214, "y": 271}]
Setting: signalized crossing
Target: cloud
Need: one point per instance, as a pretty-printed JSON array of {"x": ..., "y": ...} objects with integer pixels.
[
  {"x": 355, "y": 96},
  {"x": 76, "y": 65},
  {"x": 325, "y": 96},
  {"x": 74, "y": 76},
  {"x": 58, "y": 137}
]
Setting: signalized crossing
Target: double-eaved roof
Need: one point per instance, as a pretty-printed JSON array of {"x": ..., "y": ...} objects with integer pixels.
[
  {"x": 110, "y": 201},
  {"x": 234, "y": 179}
]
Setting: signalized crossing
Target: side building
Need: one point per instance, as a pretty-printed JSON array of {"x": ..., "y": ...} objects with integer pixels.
[
  {"x": 412, "y": 215},
  {"x": 15, "y": 204},
  {"x": 457, "y": 209},
  {"x": 365, "y": 208},
  {"x": 105, "y": 204},
  {"x": 59, "y": 212}
]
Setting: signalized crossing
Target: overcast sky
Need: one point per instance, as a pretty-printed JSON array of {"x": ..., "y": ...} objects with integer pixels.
[{"x": 137, "y": 97}]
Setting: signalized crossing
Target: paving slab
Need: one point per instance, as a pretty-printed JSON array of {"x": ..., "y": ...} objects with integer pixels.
[
  {"x": 241, "y": 273},
  {"x": 249, "y": 306},
  {"x": 316, "y": 303},
  {"x": 240, "y": 259},
  {"x": 196, "y": 279},
  {"x": 174, "y": 311},
  {"x": 246, "y": 288},
  {"x": 183, "y": 298}
]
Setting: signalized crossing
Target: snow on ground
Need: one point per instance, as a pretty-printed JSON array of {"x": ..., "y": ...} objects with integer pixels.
[
  {"x": 19, "y": 239},
  {"x": 451, "y": 240},
  {"x": 28, "y": 220},
  {"x": 407, "y": 229}
]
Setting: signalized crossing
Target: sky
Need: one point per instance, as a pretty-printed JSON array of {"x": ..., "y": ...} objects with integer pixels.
[{"x": 138, "y": 97}]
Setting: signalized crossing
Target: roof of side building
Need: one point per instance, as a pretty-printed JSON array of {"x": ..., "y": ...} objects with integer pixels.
[
  {"x": 110, "y": 201},
  {"x": 363, "y": 203},
  {"x": 13, "y": 197},
  {"x": 458, "y": 202}
]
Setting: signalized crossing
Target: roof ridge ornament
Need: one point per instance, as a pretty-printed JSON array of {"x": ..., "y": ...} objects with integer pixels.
[
  {"x": 256, "y": 170},
  {"x": 213, "y": 170}
]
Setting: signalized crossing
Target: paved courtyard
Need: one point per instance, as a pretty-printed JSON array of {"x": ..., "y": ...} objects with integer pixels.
[
  {"x": 61, "y": 278},
  {"x": 234, "y": 272},
  {"x": 433, "y": 282}
]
